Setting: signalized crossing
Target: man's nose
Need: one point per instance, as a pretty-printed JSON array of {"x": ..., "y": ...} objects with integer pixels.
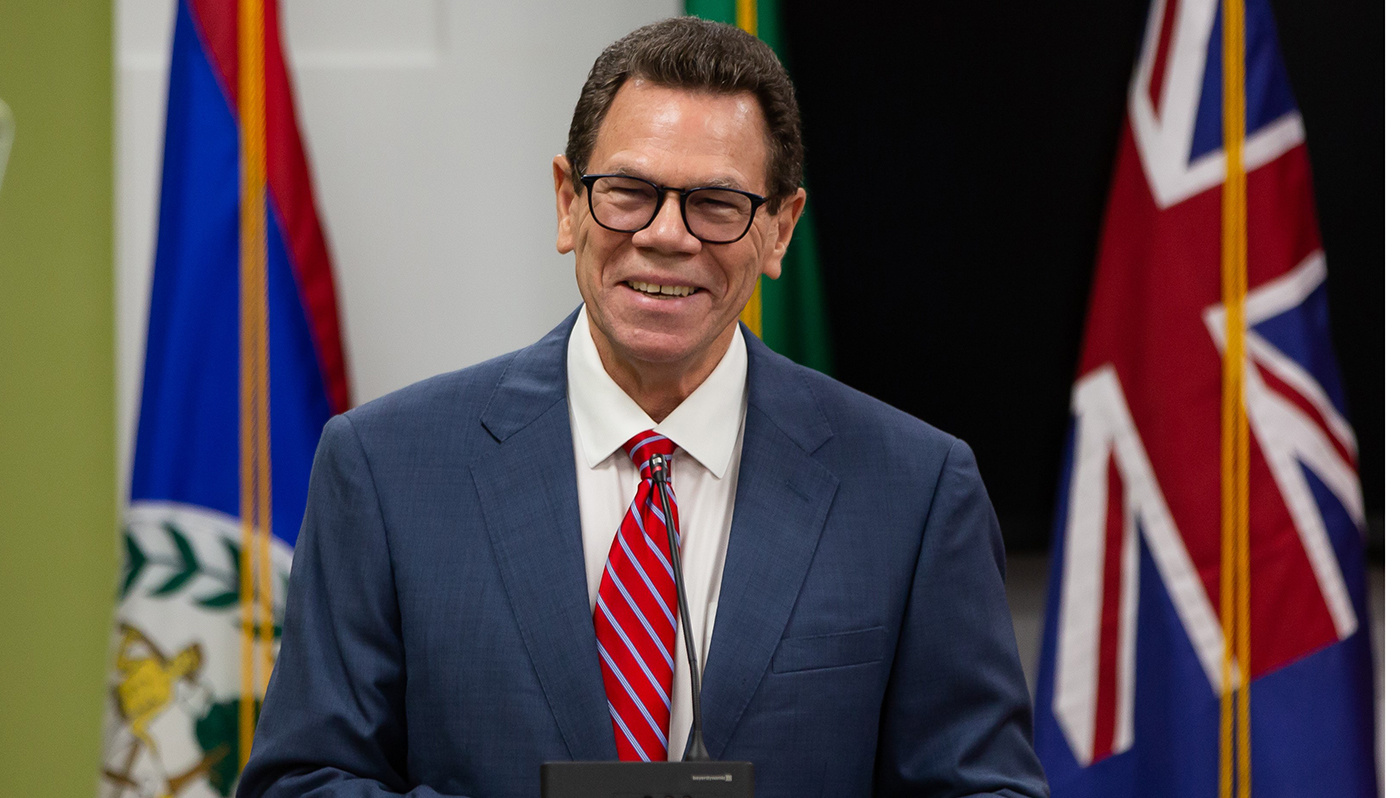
[{"x": 668, "y": 231}]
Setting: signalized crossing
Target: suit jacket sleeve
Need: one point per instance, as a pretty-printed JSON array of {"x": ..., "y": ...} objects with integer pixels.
[
  {"x": 956, "y": 718},
  {"x": 333, "y": 724}
]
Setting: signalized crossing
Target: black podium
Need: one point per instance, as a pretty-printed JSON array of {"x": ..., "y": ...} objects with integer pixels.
[{"x": 646, "y": 780}]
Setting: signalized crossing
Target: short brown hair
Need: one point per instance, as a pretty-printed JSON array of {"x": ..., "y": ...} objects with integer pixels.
[{"x": 692, "y": 53}]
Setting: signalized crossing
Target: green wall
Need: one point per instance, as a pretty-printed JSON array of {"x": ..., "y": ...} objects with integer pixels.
[{"x": 58, "y": 512}]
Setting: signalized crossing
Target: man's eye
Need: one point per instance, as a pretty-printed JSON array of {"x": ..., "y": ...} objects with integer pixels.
[
  {"x": 717, "y": 205},
  {"x": 625, "y": 193}
]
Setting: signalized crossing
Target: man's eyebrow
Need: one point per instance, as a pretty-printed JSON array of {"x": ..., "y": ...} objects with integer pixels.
[
  {"x": 725, "y": 182},
  {"x": 719, "y": 182}
]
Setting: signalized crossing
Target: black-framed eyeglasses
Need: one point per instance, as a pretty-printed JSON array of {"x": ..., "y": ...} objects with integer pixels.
[{"x": 626, "y": 204}]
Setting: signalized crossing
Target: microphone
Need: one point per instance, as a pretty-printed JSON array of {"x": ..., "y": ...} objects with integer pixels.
[{"x": 661, "y": 475}]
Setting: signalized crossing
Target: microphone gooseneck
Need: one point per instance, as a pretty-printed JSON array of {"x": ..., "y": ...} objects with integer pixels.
[{"x": 661, "y": 475}]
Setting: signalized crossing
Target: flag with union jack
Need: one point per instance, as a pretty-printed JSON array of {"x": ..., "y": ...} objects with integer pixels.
[{"x": 1130, "y": 683}]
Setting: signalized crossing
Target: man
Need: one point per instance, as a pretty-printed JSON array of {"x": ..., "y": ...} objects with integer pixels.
[{"x": 479, "y": 585}]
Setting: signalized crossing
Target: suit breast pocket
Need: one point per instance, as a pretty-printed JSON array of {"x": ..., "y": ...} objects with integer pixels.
[{"x": 857, "y": 647}]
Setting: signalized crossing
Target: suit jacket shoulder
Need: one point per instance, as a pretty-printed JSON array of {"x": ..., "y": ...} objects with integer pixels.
[
  {"x": 884, "y": 598},
  {"x": 853, "y": 434},
  {"x": 862, "y": 415}
]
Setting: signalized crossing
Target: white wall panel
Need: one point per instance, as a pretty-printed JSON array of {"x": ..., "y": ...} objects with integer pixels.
[{"x": 430, "y": 126}]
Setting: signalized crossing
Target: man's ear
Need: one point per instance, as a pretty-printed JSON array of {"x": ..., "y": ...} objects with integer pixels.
[
  {"x": 788, "y": 214},
  {"x": 564, "y": 198}
]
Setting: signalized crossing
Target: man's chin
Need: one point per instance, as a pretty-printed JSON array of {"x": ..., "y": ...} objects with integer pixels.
[
  {"x": 646, "y": 346},
  {"x": 661, "y": 351}
]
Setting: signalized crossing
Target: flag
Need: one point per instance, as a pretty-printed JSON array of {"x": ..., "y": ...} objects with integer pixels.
[
  {"x": 789, "y": 313},
  {"x": 243, "y": 367},
  {"x": 1181, "y": 657}
]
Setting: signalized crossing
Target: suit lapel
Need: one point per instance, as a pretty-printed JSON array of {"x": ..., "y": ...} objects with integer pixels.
[
  {"x": 529, "y": 497},
  {"x": 780, "y": 508}
]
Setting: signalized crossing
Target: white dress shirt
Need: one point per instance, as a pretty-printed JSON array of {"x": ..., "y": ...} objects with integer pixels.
[{"x": 707, "y": 429}]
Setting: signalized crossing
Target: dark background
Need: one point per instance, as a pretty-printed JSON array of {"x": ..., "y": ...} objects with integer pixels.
[{"x": 959, "y": 160}]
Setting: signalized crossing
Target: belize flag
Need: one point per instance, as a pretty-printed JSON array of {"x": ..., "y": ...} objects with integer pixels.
[
  {"x": 243, "y": 367},
  {"x": 1133, "y": 667}
]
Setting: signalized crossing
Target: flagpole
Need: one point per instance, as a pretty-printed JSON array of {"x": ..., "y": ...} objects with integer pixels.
[
  {"x": 746, "y": 18},
  {"x": 254, "y": 455},
  {"x": 263, "y": 407},
  {"x": 1235, "y": 769}
]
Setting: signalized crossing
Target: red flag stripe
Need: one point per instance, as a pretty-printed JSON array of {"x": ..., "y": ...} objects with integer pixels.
[
  {"x": 1310, "y": 410},
  {"x": 1106, "y": 715},
  {"x": 289, "y": 183},
  {"x": 1164, "y": 47}
]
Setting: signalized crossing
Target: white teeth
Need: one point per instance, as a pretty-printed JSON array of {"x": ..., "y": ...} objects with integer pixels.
[{"x": 662, "y": 290}]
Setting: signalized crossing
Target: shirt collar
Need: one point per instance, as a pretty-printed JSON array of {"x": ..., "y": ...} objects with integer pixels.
[{"x": 705, "y": 425}]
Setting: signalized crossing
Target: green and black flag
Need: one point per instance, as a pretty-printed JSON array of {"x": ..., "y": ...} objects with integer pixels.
[{"x": 789, "y": 314}]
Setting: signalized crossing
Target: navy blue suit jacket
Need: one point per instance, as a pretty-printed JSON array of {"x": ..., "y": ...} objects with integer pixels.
[{"x": 438, "y": 636}]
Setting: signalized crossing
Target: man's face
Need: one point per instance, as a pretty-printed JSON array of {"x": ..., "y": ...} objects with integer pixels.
[{"x": 687, "y": 139}]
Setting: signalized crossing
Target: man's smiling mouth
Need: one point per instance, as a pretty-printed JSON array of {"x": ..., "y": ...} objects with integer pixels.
[{"x": 661, "y": 291}]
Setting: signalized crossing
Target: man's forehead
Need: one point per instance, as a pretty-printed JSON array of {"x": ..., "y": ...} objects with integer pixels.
[
  {"x": 637, "y": 85},
  {"x": 641, "y": 103},
  {"x": 650, "y": 127}
]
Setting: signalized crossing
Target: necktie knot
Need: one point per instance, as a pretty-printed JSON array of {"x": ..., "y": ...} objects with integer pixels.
[{"x": 643, "y": 445}]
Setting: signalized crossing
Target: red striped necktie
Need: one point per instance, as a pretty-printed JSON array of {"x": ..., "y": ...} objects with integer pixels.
[{"x": 635, "y": 618}]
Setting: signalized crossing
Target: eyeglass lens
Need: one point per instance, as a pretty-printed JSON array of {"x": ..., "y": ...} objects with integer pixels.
[{"x": 627, "y": 204}]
